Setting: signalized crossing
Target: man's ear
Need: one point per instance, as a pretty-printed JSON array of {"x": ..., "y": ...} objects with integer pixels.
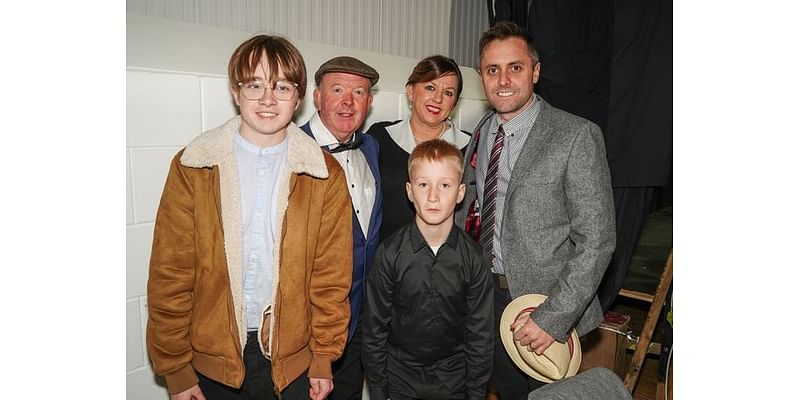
[
  {"x": 408, "y": 192},
  {"x": 317, "y": 98},
  {"x": 462, "y": 189},
  {"x": 536, "y": 70}
]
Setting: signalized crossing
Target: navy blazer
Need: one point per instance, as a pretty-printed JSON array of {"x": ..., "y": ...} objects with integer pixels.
[{"x": 363, "y": 247}]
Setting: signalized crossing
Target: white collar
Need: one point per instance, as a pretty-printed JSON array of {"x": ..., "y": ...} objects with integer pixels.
[
  {"x": 322, "y": 135},
  {"x": 401, "y": 134}
]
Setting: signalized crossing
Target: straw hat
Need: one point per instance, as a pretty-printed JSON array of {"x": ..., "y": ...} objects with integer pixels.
[{"x": 559, "y": 361}]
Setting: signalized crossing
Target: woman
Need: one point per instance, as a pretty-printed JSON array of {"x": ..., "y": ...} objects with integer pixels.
[{"x": 433, "y": 90}]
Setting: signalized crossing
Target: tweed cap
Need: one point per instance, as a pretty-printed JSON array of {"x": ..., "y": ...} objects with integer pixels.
[{"x": 347, "y": 65}]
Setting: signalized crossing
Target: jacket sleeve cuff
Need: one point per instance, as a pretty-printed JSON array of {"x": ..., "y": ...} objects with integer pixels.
[
  {"x": 548, "y": 325},
  {"x": 320, "y": 367},
  {"x": 180, "y": 380}
]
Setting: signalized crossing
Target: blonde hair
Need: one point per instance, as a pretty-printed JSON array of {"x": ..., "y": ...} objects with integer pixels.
[{"x": 436, "y": 150}]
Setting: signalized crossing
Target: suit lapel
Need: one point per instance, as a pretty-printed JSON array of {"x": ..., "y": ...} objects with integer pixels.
[
  {"x": 307, "y": 129},
  {"x": 372, "y": 161},
  {"x": 469, "y": 172},
  {"x": 539, "y": 134}
]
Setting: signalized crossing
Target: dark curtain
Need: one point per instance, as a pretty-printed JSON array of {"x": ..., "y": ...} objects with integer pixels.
[
  {"x": 574, "y": 41},
  {"x": 610, "y": 61},
  {"x": 639, "y": 136}
]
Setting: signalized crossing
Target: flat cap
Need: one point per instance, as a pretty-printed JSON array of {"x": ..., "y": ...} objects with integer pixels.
[{"x": 348, "y": 65}]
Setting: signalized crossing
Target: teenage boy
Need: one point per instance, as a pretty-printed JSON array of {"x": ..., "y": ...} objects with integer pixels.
[
  {"x": 251, "y": 261},
  {"x": 428, "y": 330}
]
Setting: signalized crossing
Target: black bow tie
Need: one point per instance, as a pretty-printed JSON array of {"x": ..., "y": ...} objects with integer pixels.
[{"x": 351, "y": 145}]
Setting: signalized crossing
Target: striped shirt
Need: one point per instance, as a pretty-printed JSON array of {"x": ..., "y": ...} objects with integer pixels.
[{"x": 517, "y": 130}]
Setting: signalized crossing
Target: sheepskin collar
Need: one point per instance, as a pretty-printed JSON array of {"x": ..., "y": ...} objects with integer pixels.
[{"x": 211, "y": 147}]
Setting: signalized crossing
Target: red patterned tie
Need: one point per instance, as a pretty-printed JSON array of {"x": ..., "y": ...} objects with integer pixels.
[{"x": 490, "y": 194}]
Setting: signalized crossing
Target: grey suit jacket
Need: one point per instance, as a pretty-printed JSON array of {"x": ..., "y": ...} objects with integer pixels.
[{"x": 557, "y": 232}]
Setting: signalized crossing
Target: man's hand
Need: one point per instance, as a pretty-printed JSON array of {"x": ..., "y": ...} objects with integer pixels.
[
  {"x": 192, "y": 393},
  {"x": 320, "y": 388},
  {"x": 529, "y": 334}
]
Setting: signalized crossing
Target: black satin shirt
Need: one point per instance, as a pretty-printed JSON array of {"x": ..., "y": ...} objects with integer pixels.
[{"x": 423, "y": 308}]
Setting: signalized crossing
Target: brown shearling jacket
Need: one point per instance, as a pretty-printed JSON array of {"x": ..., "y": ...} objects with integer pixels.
[{"x": 194, "y": 289}]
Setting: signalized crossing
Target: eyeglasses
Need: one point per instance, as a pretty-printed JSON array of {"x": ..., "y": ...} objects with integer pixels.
[{"x": 281, "y": 90}]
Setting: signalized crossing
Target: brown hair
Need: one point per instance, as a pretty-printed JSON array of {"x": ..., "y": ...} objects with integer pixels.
[
  {"x": 436, "y": 150},
  {"x": 433, "y": 67},
  {"x": 505, "y": 30},
  {"x": 279, "y": 53}
]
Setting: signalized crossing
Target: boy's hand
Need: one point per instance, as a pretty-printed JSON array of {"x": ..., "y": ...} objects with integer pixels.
[
  {"x": 529, "y": 334},
  {"x": 192, "y": 393},
  {"x": 320, "y": 388}
]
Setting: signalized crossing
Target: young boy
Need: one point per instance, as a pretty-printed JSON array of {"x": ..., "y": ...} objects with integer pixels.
[
  {"x": 252, "y": 250},
  {"x": 428, "y": 323}
]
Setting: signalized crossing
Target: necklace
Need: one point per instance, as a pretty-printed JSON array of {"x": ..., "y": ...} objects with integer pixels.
[{"x": 420, "y": 140}]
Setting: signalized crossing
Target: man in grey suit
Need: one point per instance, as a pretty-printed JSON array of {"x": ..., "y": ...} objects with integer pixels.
[{"x": 539, "y": 179}]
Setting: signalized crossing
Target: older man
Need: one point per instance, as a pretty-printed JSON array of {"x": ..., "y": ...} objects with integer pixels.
[
  {"x": 543, "y": 191},
  {"x": 342, "y": 98}
]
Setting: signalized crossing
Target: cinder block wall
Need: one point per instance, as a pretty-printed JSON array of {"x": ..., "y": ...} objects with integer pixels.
[{"x": 176, "y": 88}]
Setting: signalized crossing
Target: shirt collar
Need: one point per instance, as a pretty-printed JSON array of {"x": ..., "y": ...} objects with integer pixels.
[
  {"x": 520, "y": 120},
  {"x": 251, "y": 148},
  {"x": 402, "y": 135},
  {"x": 453, "y": 136},
  {"x": 418, "y": 241},
  {"x": 321, "y": 133}
]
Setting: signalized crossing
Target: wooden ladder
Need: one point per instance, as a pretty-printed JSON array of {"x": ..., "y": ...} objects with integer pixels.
[{"x": 656, "y": 301}]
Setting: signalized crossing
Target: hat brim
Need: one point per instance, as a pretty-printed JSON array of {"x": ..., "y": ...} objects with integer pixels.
[{"x": 526, "y": 360}]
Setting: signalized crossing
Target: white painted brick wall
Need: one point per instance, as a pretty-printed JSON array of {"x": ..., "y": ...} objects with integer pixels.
[{"x": 175, "y": 90}]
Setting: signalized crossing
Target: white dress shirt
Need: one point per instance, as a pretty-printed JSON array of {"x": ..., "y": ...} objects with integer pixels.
[{"x": 360, "y": 180}]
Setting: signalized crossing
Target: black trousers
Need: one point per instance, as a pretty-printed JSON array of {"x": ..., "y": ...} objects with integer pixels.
[
  {"x": 348, "y": 372},
  {"x": 510, "y": 382},
  {"x": 444, "y": 380},
  {"x": 257, "y": 383}
]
